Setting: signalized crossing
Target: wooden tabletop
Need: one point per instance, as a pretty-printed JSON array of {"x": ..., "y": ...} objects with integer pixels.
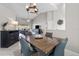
[{"x": 45, "y": 44}]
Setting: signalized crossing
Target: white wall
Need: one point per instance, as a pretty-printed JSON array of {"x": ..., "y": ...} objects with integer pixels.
[
  {"x": 4, "y": 13},
  {"x": 49, "y": 20},
  {"x": 45, "y": 20},
  {"x": 58, "y": 30},
  {"x": 50, "y": 23},
  {"x": 41, "y": 20},
  {"x": 59, "y": 14},
  {"x": 72, "y": 26}
]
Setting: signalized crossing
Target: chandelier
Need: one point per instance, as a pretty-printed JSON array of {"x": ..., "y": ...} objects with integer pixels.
[{"x": 32, "y": 8}]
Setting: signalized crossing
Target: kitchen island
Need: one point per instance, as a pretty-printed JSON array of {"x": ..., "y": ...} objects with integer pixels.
[{"x": 8, "y": 38}]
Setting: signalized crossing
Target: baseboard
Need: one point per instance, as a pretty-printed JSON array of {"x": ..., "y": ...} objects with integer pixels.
[{"x": 70, "y": 53}]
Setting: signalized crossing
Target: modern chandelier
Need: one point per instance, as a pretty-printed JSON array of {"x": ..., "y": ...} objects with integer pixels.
[{"x": 32, "y": 8}]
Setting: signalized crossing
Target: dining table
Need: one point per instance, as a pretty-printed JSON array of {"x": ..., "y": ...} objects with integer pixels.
[{"x": 45, "y": 44}]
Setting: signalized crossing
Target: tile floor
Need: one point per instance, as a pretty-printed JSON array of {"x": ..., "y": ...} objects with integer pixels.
[{"x": 13, "y": 50}]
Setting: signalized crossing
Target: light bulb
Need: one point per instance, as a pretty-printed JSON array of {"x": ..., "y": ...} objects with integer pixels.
[
  {"x": 35, "y": 9},
  {"x": 27, "y": 7}
]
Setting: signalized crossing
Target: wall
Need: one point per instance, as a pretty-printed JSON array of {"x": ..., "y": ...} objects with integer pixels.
[
  {"x": 4, "y": 13},
  {"x": 58, "y": 30},
  {"x": 59, "y": 14},
  {"x": 72, "y": 26},
  {"x": 51, "y": 17},
  {"x": 71, "y": 29},
  {"x": 50, "y": 23},
  {"x": 40, "y": 20},
  {"x": 49, "y": 20}
]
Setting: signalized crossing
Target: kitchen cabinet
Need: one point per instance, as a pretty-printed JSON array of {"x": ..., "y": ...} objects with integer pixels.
[{"x": 8, "y": 38}]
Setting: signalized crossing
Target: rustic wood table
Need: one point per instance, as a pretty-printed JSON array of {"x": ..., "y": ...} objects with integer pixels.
[{"x": 45, "y": 44}]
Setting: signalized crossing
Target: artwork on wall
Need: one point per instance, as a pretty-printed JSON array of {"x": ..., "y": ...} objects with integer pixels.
[{"x": 60, "y": 22}]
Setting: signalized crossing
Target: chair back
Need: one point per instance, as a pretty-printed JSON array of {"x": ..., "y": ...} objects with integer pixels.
[
  {"x": 59, "y": 50},
  {"x": 25, "y": 50},
  {"x": 48, "y": 34}
]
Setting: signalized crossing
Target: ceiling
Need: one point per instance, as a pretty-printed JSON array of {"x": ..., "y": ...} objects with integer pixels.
[{"x": 20, "y": 11}]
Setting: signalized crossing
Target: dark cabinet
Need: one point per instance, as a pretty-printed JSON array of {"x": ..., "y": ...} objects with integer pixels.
[{"x": 8, "y": 38}]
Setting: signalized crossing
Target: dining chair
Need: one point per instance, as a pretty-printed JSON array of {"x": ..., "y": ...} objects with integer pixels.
[
  {"x": 59, "y": 49},
  {"x": 25, "y": 49},
  {"x": 48, "y": 34}
]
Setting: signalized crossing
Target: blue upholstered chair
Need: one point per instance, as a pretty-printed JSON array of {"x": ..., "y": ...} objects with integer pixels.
[
  {"x": 59, "y": 49},
  {"x": 25, "y": 49}
]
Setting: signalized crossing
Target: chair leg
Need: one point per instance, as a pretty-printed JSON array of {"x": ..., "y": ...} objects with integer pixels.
[{"x": 21, "y": 53}]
